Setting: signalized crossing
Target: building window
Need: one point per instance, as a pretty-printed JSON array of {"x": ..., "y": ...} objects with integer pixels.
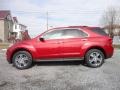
[
  {"x": 9, "y": 25},
  {"x": 15, "y": 26}
]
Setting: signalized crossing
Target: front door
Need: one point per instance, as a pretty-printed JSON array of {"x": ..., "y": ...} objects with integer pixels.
[{"x": 50, "y": 47}]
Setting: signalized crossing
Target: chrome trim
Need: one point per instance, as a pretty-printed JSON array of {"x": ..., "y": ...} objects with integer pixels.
[
  {"x": 59, "y": 59},
  {"x": 95, "y": 58},
  {"x": 21, "y": 60}
]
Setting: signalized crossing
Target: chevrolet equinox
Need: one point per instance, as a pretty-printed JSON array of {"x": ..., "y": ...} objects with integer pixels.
[{"x": 90, "y": 44}]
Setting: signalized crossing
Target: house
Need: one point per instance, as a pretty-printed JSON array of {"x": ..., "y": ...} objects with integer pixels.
[
  {"x": 20, "y": 30},
  {"x": 25, "y": 35},
  {"x": 17, "y": 28},
  {"x": 24, "y": 32},
  {"x": 10, "y": 29},
  {"x": 6, "y": 25}
]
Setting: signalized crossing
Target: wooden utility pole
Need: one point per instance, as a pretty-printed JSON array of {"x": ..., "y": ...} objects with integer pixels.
[{"x": 47, "y": 20}]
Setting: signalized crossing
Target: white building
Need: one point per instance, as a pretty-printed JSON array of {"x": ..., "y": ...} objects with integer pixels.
[{"x": 18, "y": 28}]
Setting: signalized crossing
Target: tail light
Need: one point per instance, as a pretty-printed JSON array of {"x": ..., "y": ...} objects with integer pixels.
[{"x": 110, "y": 40}]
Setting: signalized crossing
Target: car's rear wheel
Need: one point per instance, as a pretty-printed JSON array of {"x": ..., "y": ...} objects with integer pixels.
[
  {"x": 94, "y": 58},
  {"x": 22, "y": 60}
]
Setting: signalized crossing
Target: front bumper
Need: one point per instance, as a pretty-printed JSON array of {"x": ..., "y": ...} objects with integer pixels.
[{"x": 9, "y": 55}]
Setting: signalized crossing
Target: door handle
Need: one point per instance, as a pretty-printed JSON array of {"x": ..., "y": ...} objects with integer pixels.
[
  {"x": 61, "y": 42},
  {"x": 84, "y": 39}
]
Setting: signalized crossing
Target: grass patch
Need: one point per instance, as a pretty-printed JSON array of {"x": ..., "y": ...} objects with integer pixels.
[
  {"x": 116, "y": 46},
  {"x": 4, "y": 45}
]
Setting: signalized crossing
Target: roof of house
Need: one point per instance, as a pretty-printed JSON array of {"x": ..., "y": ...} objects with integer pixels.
[
  {"x": 15, "y": 19},
  {"x": 22, "y": 25},
  {"x": 4, "y": 13}
]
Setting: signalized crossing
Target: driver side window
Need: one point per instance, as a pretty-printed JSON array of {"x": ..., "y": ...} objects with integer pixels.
[{"x": 56, "y": 34}]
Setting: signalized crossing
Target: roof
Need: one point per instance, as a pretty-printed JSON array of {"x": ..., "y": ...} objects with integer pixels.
[
  {"x": 15, "y": 19},
  {"x": 22, "y": 25},
  {"x": 87, "y": 27},
  {"x": 4, "y": 13}
]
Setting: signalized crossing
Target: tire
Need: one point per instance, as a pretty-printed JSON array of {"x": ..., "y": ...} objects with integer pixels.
[
  {"x": 22, "y": 60},
  {"x": 94, "y": 58}
]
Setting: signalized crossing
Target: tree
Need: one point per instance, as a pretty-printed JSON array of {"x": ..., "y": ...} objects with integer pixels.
[
  {"x": 109, "y": 20},
  {"x": 119, "y": 34}
]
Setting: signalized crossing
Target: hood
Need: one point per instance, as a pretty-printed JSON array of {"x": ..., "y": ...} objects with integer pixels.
[{"x": 24, "y": 42}]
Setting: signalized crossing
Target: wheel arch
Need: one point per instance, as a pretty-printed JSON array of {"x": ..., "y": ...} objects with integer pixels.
[
  {"x": 20, "y": 49},
  {"x": 97, "y": 47}
]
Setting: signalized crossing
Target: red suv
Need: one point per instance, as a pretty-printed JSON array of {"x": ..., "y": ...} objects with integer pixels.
[{"x": 91, "y": 44}]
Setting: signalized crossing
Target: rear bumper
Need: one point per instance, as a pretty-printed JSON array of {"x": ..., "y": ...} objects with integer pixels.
[{"x": 109, "y": 51}]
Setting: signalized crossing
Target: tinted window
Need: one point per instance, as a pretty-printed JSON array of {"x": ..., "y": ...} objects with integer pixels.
[
  {"x": 65, "y": 33},
  {"x": 99, "y": 31},
  {"x": 73, "y": 33},
  {"x": 56, "y": 34}
]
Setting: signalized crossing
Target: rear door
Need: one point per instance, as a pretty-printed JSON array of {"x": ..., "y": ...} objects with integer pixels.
[{"x": 73, "y": 39}]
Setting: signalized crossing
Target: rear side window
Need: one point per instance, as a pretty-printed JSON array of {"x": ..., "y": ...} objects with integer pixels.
[
  {"x": 73, "y": 33},
  {"x": 99, "y": 31}
]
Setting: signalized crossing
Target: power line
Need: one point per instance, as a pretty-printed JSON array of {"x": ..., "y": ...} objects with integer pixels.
[{"x": 63, "y": 11}]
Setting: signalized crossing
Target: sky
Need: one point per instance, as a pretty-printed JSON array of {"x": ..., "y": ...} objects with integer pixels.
[{"x": 33, "y": 13}]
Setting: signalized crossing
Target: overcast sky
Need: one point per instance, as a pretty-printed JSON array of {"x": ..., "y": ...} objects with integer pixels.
[{"x": 33, "y": 13}]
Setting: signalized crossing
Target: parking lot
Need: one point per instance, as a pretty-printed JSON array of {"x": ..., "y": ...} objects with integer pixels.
[{"x": 61, "y": 75}]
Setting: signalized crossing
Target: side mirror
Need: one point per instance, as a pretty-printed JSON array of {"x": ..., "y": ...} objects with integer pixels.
[{"x": 41, "y": 39}]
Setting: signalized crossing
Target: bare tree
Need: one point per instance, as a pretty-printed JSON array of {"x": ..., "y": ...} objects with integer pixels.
[
  {"x": 119, "y": 34},
  {"x": 118, "y": 22},
  {"x": 109, "y": 20}
]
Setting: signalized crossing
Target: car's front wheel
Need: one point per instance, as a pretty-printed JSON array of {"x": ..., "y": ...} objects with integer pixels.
[
  {"x": 94, "y": 58},
  {"x": 22, "y": 60}
]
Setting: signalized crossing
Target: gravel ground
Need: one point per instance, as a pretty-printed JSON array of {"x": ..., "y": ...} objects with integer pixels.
[{"x": 61, "y": 76}]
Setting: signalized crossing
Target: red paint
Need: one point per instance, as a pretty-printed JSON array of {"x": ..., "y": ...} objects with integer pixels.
[{"x": 64, "y": 48}]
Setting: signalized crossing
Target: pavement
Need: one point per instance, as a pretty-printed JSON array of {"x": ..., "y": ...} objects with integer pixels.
[{"x": 70, "y": 75}]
